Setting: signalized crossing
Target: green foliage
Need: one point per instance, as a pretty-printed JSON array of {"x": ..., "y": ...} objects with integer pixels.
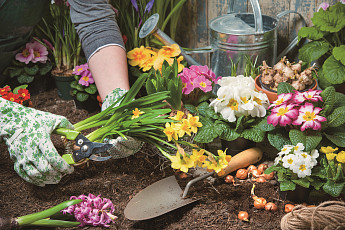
[
  {"x": 327, "y": 43},
  {"x": 167, "y": 80},
  {"x": 81, "y": 92}
]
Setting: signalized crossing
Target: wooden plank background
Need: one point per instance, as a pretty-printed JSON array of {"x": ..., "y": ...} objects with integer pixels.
[{"x": 193, "y": 29}]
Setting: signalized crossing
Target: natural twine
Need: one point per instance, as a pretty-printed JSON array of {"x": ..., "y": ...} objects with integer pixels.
[{"x": 328, "y": 215}]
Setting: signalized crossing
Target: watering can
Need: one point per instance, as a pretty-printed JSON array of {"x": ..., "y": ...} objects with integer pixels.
[{"x": 235, "y": 38}]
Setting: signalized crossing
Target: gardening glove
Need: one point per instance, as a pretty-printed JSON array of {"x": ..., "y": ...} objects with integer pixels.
[
  {"x": 121, "y": 147},
  {"x": 26, "y": 132}
]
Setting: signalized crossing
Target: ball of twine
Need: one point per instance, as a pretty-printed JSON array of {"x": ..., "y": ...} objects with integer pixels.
[{"x": 328, "y": 215}]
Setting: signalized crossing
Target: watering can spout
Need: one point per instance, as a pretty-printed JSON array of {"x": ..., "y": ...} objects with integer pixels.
[{"x": 150, "y": 27}]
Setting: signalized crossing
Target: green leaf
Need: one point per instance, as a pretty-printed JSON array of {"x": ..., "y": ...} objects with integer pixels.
[
  {"x": 339, "y": 53},
  {"x": 317, "y": 183},
  {"x": 334, "y": 71},
  {"x": 151, "y": 86},
  {"x": 311, "y": 33},
  {"x": 278, "y": 138},
  {"x": 313, "y": 50},
  {"x": 322, "y": 80},
  {"x": 254, "y": 134},
  {"x": 272, "y": 168},
  {"x": 264, "y": 126},
  {"x": 339, "y": 177},
  {"x": 190, "y": 108},
  {"x": 287, "y": 185},
  {"x": 203, "y": 109},
  {"x": 328, "y": 96},
  {"x": 229, "y": 134},
  {"x": 91, "y": 89},
  {"x": 24, "y": 78},
  {"x": 206, "y": 133},
  {"x": 220, "y": 127},
  {"x": 337, "y": 117},
  {"x": 15, "y": 90},
  {"x": 310, "y": 141},
  {"x": 297, "y": 136},
  {"x": 339, "y": 100},
  {"x": 82, "y": 96},
  {"x": 304, "y": 182},
  {"x": 331, "y": 20},
  {"x": 15, "y": 72},
  {"x": 31, "y": 70},
  {"x": 80, "y": 88},
  {"x": 284, "y": 87},
  {"x": 175, "y": 96},
  {"x": 74, "y": 84},
  {"x": 47, "y": 67},
  {"x": 332, "y": 188}
]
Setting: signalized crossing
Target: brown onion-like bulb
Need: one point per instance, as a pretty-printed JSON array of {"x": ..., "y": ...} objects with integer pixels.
[
  {"x": 242, "y": 174},
  {"x": 229, "y": 179},
  {"x": 262, "y": 167},
  {"x": 268, "y": 176},
  {"x": 288, "y": 208},
  {"x": 270, "y": 206},
  {"x": 243, "y": 215},
  {"x": 260, "y": 203}
]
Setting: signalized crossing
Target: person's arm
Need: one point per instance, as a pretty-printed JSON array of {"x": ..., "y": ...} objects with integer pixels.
[{"x": 102, "y": 44}]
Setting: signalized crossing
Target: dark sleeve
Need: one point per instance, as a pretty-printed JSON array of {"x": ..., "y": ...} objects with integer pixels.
[{"x": 96, "y": 25}]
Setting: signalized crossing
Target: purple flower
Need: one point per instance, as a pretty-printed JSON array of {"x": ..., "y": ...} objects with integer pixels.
[
  {"x": 135, "y": 5},
  {"x": 93, "y": 210},
  {"x": 86, "y": 78},
  {"x": 26, "y": 55},
  {"x": 80, "y": 69},
  {"x": 149, "y": 6},
  {"x": 323, "y": 6},
  {"x": 40, "y": 52}
]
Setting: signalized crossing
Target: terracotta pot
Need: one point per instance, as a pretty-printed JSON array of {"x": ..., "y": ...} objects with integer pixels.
[{"x": 272, "y": 96}]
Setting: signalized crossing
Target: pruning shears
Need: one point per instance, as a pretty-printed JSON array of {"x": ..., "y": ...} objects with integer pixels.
[{"x": 83, "y": 149}]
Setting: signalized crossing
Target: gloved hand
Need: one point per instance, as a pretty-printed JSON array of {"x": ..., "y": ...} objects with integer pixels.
[
  {"x": 121, "y": 147},
  {"x": 26, "y": 132}
]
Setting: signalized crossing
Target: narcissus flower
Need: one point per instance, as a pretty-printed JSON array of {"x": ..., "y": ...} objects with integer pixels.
[
  {"x": 198, "y": 157},
  {"x": 308, "y": 117},
  {"x": 181, "y": 162},
  {"x": 137, "y": 113},
  {"x": 194, "y": 123},
  {"x": 170, "y": 131}
]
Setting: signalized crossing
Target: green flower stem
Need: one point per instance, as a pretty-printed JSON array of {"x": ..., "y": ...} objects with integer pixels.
[
  {"x": 172, "y": 12},
  {"x": 28, "y": 219},
  {"x": 55, "y": 223}
]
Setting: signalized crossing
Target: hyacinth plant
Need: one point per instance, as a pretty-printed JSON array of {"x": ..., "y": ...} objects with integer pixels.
[
  {"x": 314, "y": 118},
  {"x": 19, "y": 94},
  {"x": 238, "y": 111},
  {"x": 30, "y": 63},
  {"x": 83, "y": 86}
]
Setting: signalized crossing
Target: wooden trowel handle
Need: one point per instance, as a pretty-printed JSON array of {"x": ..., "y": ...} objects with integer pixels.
[{"x": 243, "y": 159}]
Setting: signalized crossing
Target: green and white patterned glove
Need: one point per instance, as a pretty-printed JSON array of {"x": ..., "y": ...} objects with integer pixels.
[
  {"x": 26, "y": 132},
  {"x": 121, "y": 147}
]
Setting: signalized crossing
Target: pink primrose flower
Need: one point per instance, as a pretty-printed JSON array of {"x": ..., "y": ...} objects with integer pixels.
[
  {"x": 93, "y": 210},
  {"x": 282, "y": 99},
  {"x": 282, "y": 115},
  {"x": 80, "y": 69},
  {"x": 203, "y": 83},
  {"x": 323, "y": 5},
  {"x": 205, "y": 71},
  {"x": 187, "y": 85},
  {"x": 86, "y": 78},
  {"x": 40, "y": 52},
  {"x": 310, "y": 95},
  {"x": 308, "y": 117},
  {"x": 26, "y": 55}
]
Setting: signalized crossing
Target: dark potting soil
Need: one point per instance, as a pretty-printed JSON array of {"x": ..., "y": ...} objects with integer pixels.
[{"x": 121, "y": 179}]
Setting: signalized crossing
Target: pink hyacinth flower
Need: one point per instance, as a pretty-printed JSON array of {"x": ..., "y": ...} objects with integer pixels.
[
  {"x": 40, "y": 52},
  {"x": 323, "y": 6},
  {"x": 26, "y": 55},
  {"x": 203, "y": 83},
  {"x": 86, "y": 78},
  {"x": 308, "y": 117},
  {"x": 282, "y": 115},
  {"x": 282, "y": 99}
]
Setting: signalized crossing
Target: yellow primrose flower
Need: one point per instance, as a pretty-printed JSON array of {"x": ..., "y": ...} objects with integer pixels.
[
  {"x": 223, "y": 158},
  {"x": 180, "y": 162},
  {"x": 137, "y": 113},
  {"x": 178, "y": 116},
  {"x": 170, "y": 131},
  {"x": 194, "y": 123},
  {"x": 183, "y": 127},
  {"x": 330, "y": 156},
  {"x": 158, "y": 62},
  {"x": 328, "y": 149},
  {"x": 198, "y": 157},
  {"x": 170, "y": 51},
  {"x": 341, "y": 157},
  {"x": 180, "y": 67},
  {"x": 138, "y": 56}
]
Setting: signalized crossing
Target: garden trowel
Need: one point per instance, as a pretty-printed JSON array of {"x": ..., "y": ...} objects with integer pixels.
[{"x": 166, "y": 195}]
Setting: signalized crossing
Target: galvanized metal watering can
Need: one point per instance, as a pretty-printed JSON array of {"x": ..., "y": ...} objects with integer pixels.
[{"x": 234, "y": 37}]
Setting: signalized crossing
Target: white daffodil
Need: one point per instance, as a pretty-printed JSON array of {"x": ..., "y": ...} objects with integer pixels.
[
  {"x": 301, "y": 168},
  {"x": 289, "y": 161},
  {"x": 299, "y": 147}
]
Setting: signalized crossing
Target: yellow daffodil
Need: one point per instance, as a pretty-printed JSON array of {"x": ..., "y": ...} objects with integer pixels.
[
  {"x": 331, "y": 156},
  {"x": 136, "y": 113},
  {"x": 223, "y": 158},
  {"x": 181, "y": 162},
  {"x": 198, "y": 157},
  {"x": 328, "y": 149},
  {"x": 138, "y": 56},
  {"x": 170, "y": 51},
  {"x": 183, "y": 127},
  {"x": 194, "y": 123},
  {"x": 341, "y": 157},
  {"x": 178, "y": 116},
  {"x": 170, "y": 131}
]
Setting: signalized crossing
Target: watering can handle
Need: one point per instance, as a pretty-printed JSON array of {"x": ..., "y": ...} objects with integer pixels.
[
  {"x": 256, "y": 11},
  {"x": 293, "y": 43}
]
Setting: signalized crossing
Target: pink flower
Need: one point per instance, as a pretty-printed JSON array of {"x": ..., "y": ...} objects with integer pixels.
[
  {"x": 282, "y": 115},
  {"x": 48, "y": 44},
  {"x": 40, "y": 52},
  {"x": 86, "y": 78},
  {"x": 202, "y": 83},
  {"x": 308, "y": 117},
  {"x": 282, "y": 99},
  {"x": 187, "y": 85},
  {"x": 310, "y": 95},
  {"x": 26, "y": 55},
  {"x": 93, "y": 210},
  {"x": 323, "y": 5},
  {"x": 205, "y": 71},
  {"x": 80, "y": 69}
]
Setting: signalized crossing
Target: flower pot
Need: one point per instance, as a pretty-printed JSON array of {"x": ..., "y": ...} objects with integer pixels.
[
  {"x": 237, "y": 146},
  {"x": 91, "y": 104},
  {"x": 272, "y": 95},
  {"x": 63, "y": 85},
  {"x": 299, "y": 195},
  {"x": 41, "y": 84}
]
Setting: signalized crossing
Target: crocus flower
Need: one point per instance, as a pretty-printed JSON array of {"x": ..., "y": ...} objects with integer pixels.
[
  {"x": 86, "y": 79},
  {"x": 135, "y": 5},
  {"x": 323, "y": 6},
  {"x": 93, "y": 210},
  {"x": 308, "y": 117},
  {"x": 149, "y": 6},
  {"x": 40, "y": 52},
  {"x": 26, "y": 55},
  {"x": 282, "y": 115}
]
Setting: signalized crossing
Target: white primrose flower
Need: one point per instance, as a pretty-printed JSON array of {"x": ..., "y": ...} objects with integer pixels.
[
  {"x": 285, "y": 150},
  {"x": 277, "y": 160},
  {"x": 289, "y": 161},
  {"x": 239, "y": 81},
  {"x": 301, "y": 168},
  {"x": 307, "y": 158},
  {"x": 299, "y": 147}
]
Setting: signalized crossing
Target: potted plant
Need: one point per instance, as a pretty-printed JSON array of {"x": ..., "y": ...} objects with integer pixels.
[
  {"x": 327, "y": 44},
  {"x": 19, "y": 95},
  {"x": 83, "y": 89},
  {"x": 63, "y": 44},
  {"x": 31, "y": 67}
]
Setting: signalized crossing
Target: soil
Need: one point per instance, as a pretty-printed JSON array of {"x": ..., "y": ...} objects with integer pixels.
[{"x": 121, "y": 179}]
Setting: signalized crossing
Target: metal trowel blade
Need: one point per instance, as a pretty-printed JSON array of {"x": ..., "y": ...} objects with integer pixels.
[{"x": 155, "y": 200}]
